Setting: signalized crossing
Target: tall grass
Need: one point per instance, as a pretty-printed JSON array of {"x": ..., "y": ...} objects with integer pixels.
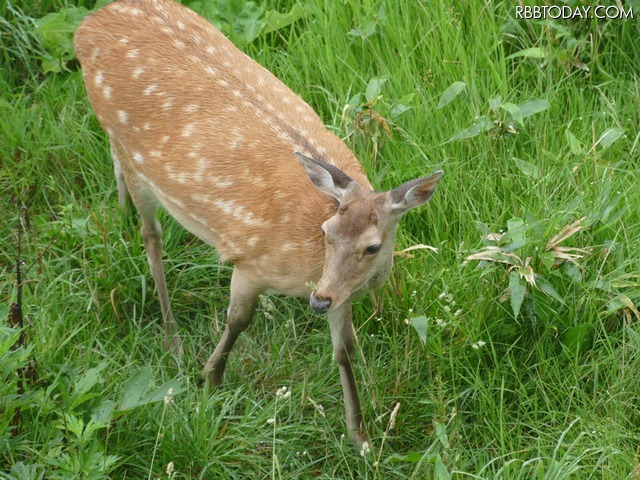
[{"x": 486, "y": 390}]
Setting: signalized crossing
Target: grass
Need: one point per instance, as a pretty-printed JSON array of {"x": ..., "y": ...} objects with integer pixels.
[{"x": 487, "y": 387}]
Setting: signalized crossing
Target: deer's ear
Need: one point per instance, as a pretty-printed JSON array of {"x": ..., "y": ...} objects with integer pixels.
[
  {"x": 414, "y": 193},
  {"x": 327, "y": 178}
]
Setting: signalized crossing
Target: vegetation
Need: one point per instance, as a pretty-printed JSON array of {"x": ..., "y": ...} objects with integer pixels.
[{"x": 508, "y": 349}]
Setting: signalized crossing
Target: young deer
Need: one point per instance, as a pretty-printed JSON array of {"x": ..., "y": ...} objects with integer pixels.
[{"x": 198, "y": 127}]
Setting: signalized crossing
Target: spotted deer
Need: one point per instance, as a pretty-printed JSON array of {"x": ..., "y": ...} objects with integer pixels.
[{"x": 242, "y": 162}]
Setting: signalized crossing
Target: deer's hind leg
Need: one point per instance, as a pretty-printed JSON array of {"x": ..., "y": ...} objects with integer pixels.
[
  {"x": 123, "y": 192},
  {"x": 146, "y": 205}
]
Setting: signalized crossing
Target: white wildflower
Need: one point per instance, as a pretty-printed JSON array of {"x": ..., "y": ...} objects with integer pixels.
[
  {"x": 169, "y": 396},
  {"x": 364, "y": 449}
]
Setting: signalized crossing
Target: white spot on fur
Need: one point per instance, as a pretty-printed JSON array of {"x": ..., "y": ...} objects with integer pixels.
[
  {"x": 165, "y": 138},
  {"x": 223, "y": 83},
  {"x": 238, "y": 212},
  {"x": 252, "y": 242},
  {"x": 201, "y": 198},
  {"x": 150, "y": 89},
  {"x": 123, "y": 117},
  {"x": 98, "y": 79},
  {"x": 211, "y": 50},
  {"x": 137, "y": 72},
  {"x": 167, "y": 105},
  {"x": 182, "y": 178},
  {"x": 288, "y": 247},
  {"x": 138, "y": 157},
  {"x": 106, "y": 91},
  {"x": 188, "y": 130},
  {"x": 181, "y": 25},
  {"x": 178, "y": 43},
  {"x": 155, "y": 154},
  {"x": 147, "y": 126},
  {"x": 192, "y": 108},
  {"x": 124, "y": 41},
  {"x": 133, "y": 53},
  {"x": 211, "y": 71}
]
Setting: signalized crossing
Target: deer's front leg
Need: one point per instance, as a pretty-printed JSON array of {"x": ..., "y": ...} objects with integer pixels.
[
  {"x": 342, "y": 337},
  {"x": 244, "y": 297}
]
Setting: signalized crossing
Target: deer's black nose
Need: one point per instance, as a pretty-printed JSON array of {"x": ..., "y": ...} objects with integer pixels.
[{"x": 319, "y": 305}]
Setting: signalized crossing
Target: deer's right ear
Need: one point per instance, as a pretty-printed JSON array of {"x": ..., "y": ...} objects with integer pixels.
[{"x": 327, "y": 178}]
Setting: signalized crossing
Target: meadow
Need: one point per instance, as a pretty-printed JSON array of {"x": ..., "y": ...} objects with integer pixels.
[{"x": 506, "y": 343}]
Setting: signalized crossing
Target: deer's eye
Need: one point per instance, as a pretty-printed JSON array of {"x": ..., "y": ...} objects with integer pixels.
[{"x": 373, "y": 249}]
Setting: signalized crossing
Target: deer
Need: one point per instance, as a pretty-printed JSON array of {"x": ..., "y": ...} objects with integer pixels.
[{"x": 197, "y": 127}]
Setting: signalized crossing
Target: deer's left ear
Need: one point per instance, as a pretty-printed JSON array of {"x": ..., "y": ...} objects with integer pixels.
[
  {"x": 326, "y": 177},
  {"x": 414, "y": 193}
]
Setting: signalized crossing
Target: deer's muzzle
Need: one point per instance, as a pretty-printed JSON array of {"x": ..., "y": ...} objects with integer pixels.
[{"x": 319, "y": 305}]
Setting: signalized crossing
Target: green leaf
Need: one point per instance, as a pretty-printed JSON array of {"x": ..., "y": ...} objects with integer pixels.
[
  {"x": 56, "y": 31},
  {"x": 609, "y": 136},
  {"x": 104, "y": 411},
  {"x": 421, "y": 326},
  {"x": 546, "y": 287},
  {"x": 160, "y": 393},
  {"x": 481, "y": 125},
  {"x": 576, "y": 339},
  {"x": 85, "y": 383},
  {"x": 137, "y": 391},
  {"x": 441, "y": 472},
  {"x": 517, "y": 289},
  {"x": 364, "y": 31},
  {"x": 534, "y": 106},
  {"x": 516, "y": 232},
  {"x": 494, "y": 103},
  {"x": 402, "y": 105},
  {"x": 528, "y": 168},
  {"x": 411, "y": 457},
  {"x": 135, "y": 388},
  {"x": 450, "y": 93},
  {"x": 514, "y": 111},
  {"x": 574, "y": 144},
  {"x": 441, "y": 434},
  {"x": 274, "y": 20},
  {"x": 373, "y": 87},
  {"x": 534, "y": 52},
  {"x": 548, "y": 259}
]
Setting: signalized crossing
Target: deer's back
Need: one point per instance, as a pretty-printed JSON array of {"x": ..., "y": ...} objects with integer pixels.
[{"x": 211, "y": 134}]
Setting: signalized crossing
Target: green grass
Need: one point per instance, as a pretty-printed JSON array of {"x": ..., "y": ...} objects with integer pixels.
[{"x": 544, "y": 389}]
